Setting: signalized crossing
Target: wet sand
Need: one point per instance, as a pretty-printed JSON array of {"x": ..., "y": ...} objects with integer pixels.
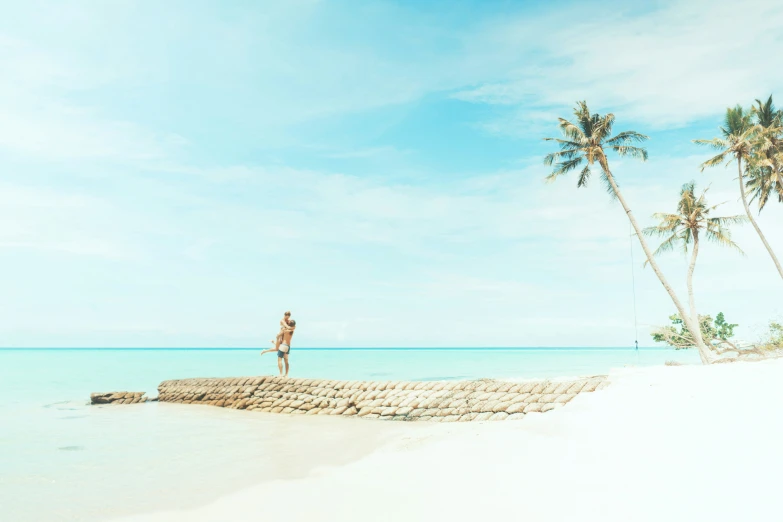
[{"x": 133, "y": 459}]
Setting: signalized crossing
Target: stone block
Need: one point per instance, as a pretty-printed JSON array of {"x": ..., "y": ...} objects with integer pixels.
[
  {"x": 501, "y": 415},
  {"x": 533, "y": 407}
]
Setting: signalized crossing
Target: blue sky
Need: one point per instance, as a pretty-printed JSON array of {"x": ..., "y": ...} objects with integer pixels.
[{"x": 179, "y": 173}]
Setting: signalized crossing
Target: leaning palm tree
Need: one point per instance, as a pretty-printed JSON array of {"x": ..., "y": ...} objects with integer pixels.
[
  {"x": 584, "y": 144},
  {"x": 765, "y": 166},
  {"x": 685, "y": 229},
  {"x": 739, "y": 139}
]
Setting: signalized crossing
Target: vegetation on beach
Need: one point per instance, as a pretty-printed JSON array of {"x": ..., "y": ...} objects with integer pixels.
[
  {"x": 751, "y": 137},
  {"x": 773, "y": 340},
  {"x": 714, "y": 331}
]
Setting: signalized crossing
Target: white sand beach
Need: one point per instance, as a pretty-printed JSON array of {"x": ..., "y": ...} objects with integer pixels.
[{"x": 664, "y": 443}]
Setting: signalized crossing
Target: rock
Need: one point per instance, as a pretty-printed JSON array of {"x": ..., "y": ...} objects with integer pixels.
[
  {"x": 564, "y": 398},
  {"x": 501, "y": 407},
  {"x": 117, "y": 397},
  {"x": 540, "y": 387},
  {"x": 435, "y": 401},
  {"x": 516, "y": 408},
  {"x": 477, "y": 407},
  {"x": 592, "y": 384},
  {"x": 501, "y": 415}
]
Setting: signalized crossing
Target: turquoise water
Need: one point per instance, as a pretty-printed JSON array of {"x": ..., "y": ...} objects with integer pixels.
[
  {"x": 35, "y": 375},
  {"x": 61, "y": 459}
]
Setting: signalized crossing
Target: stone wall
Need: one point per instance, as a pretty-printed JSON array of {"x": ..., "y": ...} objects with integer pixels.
[
  {"x": 440, "y": 401},
  {"x": 117, "y": 398}
]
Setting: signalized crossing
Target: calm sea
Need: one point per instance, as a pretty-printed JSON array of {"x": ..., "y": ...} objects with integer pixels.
[{"x": 63, "y": 460}]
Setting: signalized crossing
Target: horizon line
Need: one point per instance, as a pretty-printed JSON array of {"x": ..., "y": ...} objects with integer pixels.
[{"x": 314, "y": 348}]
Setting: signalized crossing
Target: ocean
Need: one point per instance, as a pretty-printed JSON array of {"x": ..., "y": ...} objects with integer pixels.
[{"x": 61, "y": 459}]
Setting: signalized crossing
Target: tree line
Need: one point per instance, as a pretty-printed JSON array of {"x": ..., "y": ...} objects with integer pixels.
[{"x": 753, "y": 138}]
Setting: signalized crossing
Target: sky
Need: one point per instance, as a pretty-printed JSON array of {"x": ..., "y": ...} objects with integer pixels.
[{"x": 180, "y": 173}]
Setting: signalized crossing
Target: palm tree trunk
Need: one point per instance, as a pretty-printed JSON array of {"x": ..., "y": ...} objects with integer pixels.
[
  {"x": 753, "y": 221},
  {"x": 704, "y": 353},
  {"x": 691, "y": 300}
]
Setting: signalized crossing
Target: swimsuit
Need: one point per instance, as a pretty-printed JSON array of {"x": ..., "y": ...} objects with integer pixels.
[{"x": 282, "y": 353}]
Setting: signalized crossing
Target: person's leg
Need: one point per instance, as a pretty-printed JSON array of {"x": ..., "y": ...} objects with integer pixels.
[
  {"x": 286, "y": 365},
  {"x": 280, "y": 363},
  {"x": 267, "y": 351}
]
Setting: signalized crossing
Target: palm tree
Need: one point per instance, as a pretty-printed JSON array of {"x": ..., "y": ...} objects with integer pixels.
[
  {"x": 740, "y": 137},
  {"x": 685, "y": 228},
  {"x": 765, "y": 167},
  {"x": 583, "y": 144}
]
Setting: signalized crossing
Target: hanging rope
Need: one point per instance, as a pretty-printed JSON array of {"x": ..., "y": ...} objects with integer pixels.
[{"x": 633, "y": 285}]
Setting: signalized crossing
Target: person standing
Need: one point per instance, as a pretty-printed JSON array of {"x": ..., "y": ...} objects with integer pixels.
[{"x": 284, "y": 349}]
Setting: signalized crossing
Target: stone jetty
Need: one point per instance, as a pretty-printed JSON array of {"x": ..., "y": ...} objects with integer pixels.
[
  {"x": 438, "y": 401},
  {"x": 118, "y": 398}
]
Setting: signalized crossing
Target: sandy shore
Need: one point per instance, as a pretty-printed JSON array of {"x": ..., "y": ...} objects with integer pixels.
[{"x": 665, "y": 443}]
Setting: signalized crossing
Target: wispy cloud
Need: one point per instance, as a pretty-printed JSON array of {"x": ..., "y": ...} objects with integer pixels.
[
  {"x": 185, "y": 184},
  {"x": 666, "y": 66}
]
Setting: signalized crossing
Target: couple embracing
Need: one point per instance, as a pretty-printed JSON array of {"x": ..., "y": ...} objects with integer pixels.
[{"x": 283, "y": 342}]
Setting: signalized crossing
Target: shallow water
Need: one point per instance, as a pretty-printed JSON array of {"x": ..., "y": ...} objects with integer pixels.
[{"x": 64, "y": 460}]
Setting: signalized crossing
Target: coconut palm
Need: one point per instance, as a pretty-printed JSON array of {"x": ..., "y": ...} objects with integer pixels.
[
  {"x": 765, "y": 167},
  {"x": 739, "y": 140},
  {"x": 687, "y": 226},
  {"x": 584, "y": 144}
]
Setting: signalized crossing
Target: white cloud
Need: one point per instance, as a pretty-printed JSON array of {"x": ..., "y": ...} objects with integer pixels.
[
  {"x": 666, "y": 66},
  {"x": 168, "y": 246}
]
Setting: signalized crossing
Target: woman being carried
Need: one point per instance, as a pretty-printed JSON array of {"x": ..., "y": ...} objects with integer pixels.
[{"x": 284, "y": 327}]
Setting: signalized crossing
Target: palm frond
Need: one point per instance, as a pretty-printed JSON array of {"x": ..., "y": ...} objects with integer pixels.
[
  {"x": 684, "y": 227},
  {"x": 572, "y": 131},
  {"x": 584, "y": 139},
  {"x": 603, "y": 127},
  {"x": 608, "y": 185},
  {"x": 627, "y": 137},
  {"x": 569, "y": 154},
  {"x": 715, "y": 160},
  {"x": 722, "y": 237},
  {"x": 584, "y": 177},
  {"x": 715, "y": 143},
  {"x": 631, "y": 152},
  {"x": 668, "y": 223},
  {"x": 765, "y": 112},
  {"x": 728, "y": 220},
  {"x": 668, "y": 245},
  {"x": 736, "y": 121},
  {"x": 564, "y": 167}
]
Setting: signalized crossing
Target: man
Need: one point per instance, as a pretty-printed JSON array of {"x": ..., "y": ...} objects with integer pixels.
[{"x": 284, "y": 349}]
